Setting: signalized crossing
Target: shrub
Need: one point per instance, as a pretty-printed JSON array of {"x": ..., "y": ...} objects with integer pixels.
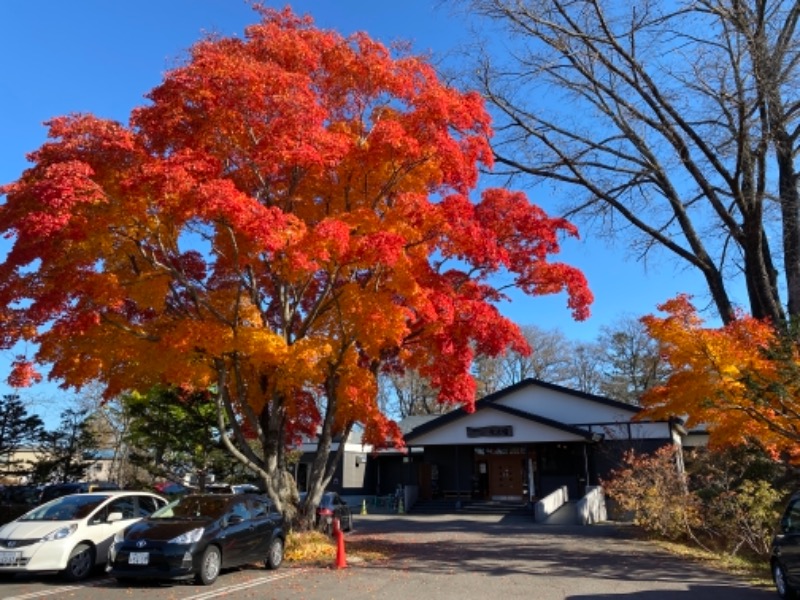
[
  {"x": 726, "y": 502},
  {"x": 745, "y": 518},
  {"x": 743, "y": 491},
  {"x": 653, "y": 490}
]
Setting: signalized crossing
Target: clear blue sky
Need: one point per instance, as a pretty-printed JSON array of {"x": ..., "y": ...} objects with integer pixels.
[{"x": 102, "y": 56}]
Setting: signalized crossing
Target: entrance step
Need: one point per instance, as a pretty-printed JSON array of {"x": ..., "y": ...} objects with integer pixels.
[{"x": 444, "y": 506}]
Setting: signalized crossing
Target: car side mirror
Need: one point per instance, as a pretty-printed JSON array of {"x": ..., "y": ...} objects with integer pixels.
[
  {"x": 235, "y": 519},
  {"x": 114, "y": 516}
]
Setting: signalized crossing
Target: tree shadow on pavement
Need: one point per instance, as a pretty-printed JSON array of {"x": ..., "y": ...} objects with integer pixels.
[
  {"x": 695, "y": 591},
  {"x": 498, "y": 549}
]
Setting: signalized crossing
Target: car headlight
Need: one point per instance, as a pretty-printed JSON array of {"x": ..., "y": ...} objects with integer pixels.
[
  {"x": 60, "y": 533},
  {"x": 119, "y": 536},
  {"x": 190, "y": 537}
]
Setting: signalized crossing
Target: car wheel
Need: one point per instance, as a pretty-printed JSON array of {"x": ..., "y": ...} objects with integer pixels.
[
  {"x": 209, "y": 566},
  {"x": 80, "y": 563},
  {"x": 781, "y": 584},
  {"x": 275, "y": 553}
]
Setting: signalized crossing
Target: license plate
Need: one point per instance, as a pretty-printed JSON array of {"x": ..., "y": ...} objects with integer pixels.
[
  {"x": 138, "y": 558},
  {"x": 9, "y": 558}
]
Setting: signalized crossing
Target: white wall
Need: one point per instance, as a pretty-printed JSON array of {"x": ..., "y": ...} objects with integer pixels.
[
  {"x": 524, "y": 430},
  {"x": 564, "y": 407}
]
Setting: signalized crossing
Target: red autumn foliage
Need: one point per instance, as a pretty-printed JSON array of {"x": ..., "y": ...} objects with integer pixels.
[{"x": 290, "y": 214}]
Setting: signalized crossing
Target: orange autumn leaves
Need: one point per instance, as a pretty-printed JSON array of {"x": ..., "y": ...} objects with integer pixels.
[
  {"x": 288, "y": 216},
  {"x": 742, "y": 381}
]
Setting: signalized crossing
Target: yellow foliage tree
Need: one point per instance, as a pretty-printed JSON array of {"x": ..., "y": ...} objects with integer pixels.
[{"x": 740, "y": 381}]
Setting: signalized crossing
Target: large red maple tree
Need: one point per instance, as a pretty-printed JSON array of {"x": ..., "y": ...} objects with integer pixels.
[{"x": 288, "y": 216}]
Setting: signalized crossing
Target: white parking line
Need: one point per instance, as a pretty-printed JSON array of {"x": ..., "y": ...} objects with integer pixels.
[
  {"x": 58, "y": 590},
  {"x": 243, "y": 586},
  {"x": 43, "y": 593},
  {"x": 213, "y": 593}
]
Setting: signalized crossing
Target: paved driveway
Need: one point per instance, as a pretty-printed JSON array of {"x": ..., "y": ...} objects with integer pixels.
[
  {"x": 452, "y": 557},
  {"x": 510, "y": 557}
]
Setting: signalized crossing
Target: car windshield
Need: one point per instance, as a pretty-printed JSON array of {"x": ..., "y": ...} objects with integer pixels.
[
  {"x": 193, "y": 507},
  {"x": 67, "y": 508}
]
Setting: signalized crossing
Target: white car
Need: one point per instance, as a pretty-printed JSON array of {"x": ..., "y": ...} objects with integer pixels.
[{"x": 71, "y": 534}]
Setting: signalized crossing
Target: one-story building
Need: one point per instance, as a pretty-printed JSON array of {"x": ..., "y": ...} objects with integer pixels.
[{"x": 520, "y": 444}]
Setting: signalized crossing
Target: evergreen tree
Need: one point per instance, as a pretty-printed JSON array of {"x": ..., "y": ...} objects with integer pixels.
[
  {"x": 67, "y": 452},
  {"x": 18, "y": 429},
  {"x": 172, "y": 433}
]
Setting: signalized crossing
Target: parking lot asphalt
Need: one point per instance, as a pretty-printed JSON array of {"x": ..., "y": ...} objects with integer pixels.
[{"x": 444, "y": 557}]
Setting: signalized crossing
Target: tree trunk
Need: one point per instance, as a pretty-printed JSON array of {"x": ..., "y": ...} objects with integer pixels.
[
  {"x": 324, "y": 465},
  {"x": 790, "y": 205}
]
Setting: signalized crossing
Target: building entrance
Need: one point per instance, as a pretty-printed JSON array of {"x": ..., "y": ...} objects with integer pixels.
[
  {"x": 503, "y": 473},
  {"x": 506, "y": 477}
]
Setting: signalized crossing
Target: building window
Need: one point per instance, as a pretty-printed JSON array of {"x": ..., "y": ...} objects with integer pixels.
[{"x": 559, "y": 459}]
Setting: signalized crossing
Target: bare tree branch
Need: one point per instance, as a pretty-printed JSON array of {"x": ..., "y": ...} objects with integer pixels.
[{"x": 678, "y": 121}]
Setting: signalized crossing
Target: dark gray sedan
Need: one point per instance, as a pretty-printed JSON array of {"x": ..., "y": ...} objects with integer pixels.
[
  {"x": 197, "y": 536},
  {"x": 785, "y": 560}
]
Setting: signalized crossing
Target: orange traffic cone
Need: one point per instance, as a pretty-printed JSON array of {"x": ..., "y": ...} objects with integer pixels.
[{"x": 341, "y": 557}]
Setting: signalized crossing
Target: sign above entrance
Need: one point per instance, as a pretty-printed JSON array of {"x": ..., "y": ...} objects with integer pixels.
[{"x": 491, "y": 431}]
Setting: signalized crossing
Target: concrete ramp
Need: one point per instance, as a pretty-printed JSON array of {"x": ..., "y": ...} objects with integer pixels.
[{"x": 567, "y": 514}]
